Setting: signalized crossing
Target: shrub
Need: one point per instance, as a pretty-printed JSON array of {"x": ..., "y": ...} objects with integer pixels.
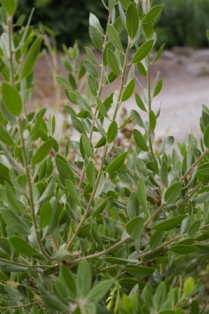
[{"x": 98, "y": 227}]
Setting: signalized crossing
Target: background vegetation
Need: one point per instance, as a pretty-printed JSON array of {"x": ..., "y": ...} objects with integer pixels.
[{"x": 183, "y": 22}]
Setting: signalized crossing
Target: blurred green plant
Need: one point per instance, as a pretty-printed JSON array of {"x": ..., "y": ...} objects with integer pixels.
[
  {"x": 183, "y": 23},
  {"x": 115, "y": 228}
]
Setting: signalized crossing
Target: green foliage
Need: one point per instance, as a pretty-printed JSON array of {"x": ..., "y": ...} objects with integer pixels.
[
  {"x": 183, "y": 23},
  {"x": 92, "y": 225}
]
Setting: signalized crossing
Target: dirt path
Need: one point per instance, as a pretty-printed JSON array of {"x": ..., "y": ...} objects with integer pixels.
[{"x": 186, "y": 87}]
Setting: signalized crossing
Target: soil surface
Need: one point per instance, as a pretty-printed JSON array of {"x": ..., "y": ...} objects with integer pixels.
[{"x": 185, "y": 73}]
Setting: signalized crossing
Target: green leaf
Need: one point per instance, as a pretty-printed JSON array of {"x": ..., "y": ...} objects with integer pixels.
[
  {"x": 42, "y": 151},
  {"x": 139, "y": 102},
  {"x": 15, "y": 222},
  {"x": 71, "y": 190},
  {"x": 137, "y": 118},
  {"x": 12, "y": 99},
  {"x": 141, "y": 69},
  {"x": 68, "y": 280},
  {"x": 152, "y": 14},
  {"x": 22, "y": 247},
  {"x": 5, "y": 137},
  {"x": 101, "y": 142},
  {"x": 143, "y": 51},
  {"x": 96, "y": 37},
  {"x": 206, "y": 137},
  {"x": 84, "y": 278},
  {"x": 189, "y": 286},
  {"x": 135, "y": 228},
  {"x": 4, "y": 173},
  {"x": 159, "y": 53},
  {"x": 139, "y": 271},
  {"x": 90, "y": 68},
  {"x": 91, "y": 56},
  {"x": 153, "y": 120},
  {"x": 194, "y": 228},
  {"x": 132, "y": 20},
  {"x": 156, "y": 239},
  {"x": 100, "y": 208},
  {"x": 141, "y": 194},
  {"x": 87, "y": 146},
  {"x": 101, "y": 107},
  {"x": 172, "y": 193},
  {"x": 92, "y": 84},
  {"x": 113, "y": 62},
  {"x": 63, "y": 82},
  {"x": 139, "y": 139},
  {"x": 184, "y": 249},
  {"x": 10, "y": 6},
  {"x": 31, "y": 58},
  {"x": 114, "y": 37},
  {"x": 99, "y": 291},
  {"x": 112, "y": 131},
  {"x": 125, "y": 3},
  {"x": 45, "y": 215},
  {"x": 203, "y": 169},
  {"x": 158, "y": 88},
  {"x": 168, "y": 141},
  {"x": 170, "y": 223},
  {"x": 64, "y": 169},
  {"x": 117, "y": 163},
  {"x": 91, "y": 173},
  {"x": 128, "y": 90},
  {"x": 93, "y": 21}
]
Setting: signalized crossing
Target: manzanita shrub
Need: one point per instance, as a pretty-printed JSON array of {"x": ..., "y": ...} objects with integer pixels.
[{"x": 99, "y": 224}]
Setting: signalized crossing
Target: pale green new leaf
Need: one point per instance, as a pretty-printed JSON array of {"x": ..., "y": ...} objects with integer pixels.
[
  {"x": 99, "y": 291},
  {"x": 11, "y": 99}
]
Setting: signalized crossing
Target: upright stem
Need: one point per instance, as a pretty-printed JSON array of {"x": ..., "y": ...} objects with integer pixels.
[
  {"x": 10, "y": 37},
  {"x": 149, "y": 106},
  {"x": 30, "y": 190}
]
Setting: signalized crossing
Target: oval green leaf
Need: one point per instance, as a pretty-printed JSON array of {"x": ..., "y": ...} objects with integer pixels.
[
  {"x": 139, "y": 139},
  {"x": 132, "y": 20},
  {"x": 170, "y": 223},
  {"x": 117, "y": 163},
  {"x": 135, "y": 228},
  {"x": 112, "y": 131},
  {"x": 172, "y": 193},
  {"x": 12, "y": 99},
  {"x": 128, "y": 90},
  {"x": 22, "y": 247},
  {"x": 184, "y": 249},
  {"x": 143, "y": 51},
  {"x": 42, "y": 152}
]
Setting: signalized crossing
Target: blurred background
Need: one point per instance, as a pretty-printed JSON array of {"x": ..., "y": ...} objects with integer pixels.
[{"x": 183, "y": 22}]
